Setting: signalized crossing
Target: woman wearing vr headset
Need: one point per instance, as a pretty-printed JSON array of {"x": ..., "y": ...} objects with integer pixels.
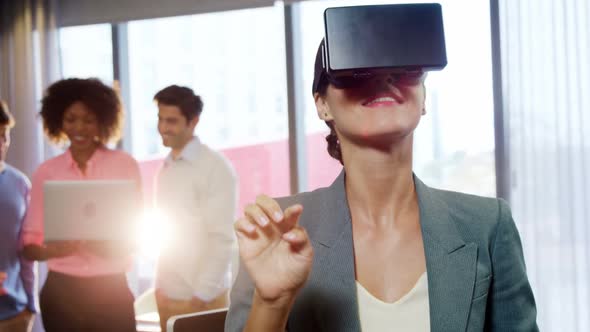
[{"x": 378, "y": 250}]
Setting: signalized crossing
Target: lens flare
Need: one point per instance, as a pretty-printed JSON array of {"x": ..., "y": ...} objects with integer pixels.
[{"x": 153, "y": 233}]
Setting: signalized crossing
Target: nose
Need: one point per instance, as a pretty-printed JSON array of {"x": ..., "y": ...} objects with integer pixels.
[
  {"x": 403, "y": 78},
  {"x": 163, "y": 129},
  {"x": 79, "y": 125},
  {"x": 385, "y": 79},
  {"x": 390, "y": 79}
]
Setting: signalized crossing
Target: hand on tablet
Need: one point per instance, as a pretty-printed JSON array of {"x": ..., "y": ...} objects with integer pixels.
[
  {"x": 54, "y": 249},
  {"x": 108, "y": 249},
  {"x": 3, "y": 277},
  {"x": 62, "y": 248}
]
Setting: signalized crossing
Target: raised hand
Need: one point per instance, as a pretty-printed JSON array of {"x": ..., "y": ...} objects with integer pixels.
[{"x": 276, "y": 251}]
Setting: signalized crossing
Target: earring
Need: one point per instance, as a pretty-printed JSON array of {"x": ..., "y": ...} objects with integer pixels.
[{"x": 423, "y": 111}]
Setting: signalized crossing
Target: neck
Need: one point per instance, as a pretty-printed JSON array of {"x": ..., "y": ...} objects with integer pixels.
[
  {"x": 2, "y": 165},
  {"x": 379, "y": 182},
  {"x": 177, "y": 150},
  {"x": 81, "y": 156}
]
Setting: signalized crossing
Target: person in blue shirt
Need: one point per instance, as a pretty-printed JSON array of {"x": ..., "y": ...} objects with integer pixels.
[{"x": 18, "y": 297}]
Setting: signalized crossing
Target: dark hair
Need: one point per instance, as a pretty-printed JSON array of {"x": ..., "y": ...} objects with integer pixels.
[
  {"x": 320, "y": 85},
  {"x": 182, "y": 97},
  {"x": 100, "y": 99},
  {"x": 6, "y": 118}
]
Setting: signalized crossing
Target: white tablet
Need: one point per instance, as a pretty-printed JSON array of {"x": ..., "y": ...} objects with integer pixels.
[
  {"x": 90, "y": 210},
  {"x": 211, "y": 321}
]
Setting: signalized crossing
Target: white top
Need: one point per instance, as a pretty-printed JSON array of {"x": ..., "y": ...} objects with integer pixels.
[
  {"x": 197, "y": 192},
  {"x": 409, "y": 313}
]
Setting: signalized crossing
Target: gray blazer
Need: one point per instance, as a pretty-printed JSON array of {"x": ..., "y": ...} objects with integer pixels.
[{"x": 476, "y": 272}]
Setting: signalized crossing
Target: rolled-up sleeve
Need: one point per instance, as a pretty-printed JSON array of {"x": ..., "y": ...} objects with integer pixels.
[
  {"x": 32, "y": 231},
  {"x": 28, "y": 269},
  {"x": 133, "y": 172}
]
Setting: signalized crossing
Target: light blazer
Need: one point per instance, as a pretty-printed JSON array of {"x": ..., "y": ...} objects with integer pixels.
[{"x": 476, "y": 272}]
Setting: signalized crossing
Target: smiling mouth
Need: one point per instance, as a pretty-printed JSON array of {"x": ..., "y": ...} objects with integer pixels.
[
  {"x": 381, "y": 101},
  {"x": 79, "y": 138},
  {"x": 385, "y": 98}
]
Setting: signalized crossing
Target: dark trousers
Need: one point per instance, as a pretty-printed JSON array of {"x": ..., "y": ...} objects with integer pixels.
[{"x": 101, "y": 303}]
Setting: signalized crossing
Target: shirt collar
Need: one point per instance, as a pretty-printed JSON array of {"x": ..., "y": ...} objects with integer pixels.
[
  {"x": 189, "y": 153},
  {"x": 93, "y": 159}
]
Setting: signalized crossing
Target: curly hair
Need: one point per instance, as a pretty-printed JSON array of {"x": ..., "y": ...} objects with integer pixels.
[
  {"x": 99, "y": 98},
  {"x": 6, "y": 118}
]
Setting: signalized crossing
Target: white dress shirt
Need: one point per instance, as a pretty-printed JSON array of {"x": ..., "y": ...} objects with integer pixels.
[{"x": 197, "y": 192}]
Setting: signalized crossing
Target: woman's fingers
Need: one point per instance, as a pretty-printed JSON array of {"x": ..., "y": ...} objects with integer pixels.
[
  {"x": 243, "y": 226},
  {"x": 296, "y": 236},
  {"x": 267, "y": 209},
  {"x": 265, "y": 218},
  {"x": 270, "y": 207},
  {"x": 292, "y": 214},
  {"x": 256, "y": 214},
  {"x": 299, "y": 241}
]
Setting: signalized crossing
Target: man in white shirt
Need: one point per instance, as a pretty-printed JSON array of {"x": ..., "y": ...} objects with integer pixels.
[{"x": 196, "y": 190}]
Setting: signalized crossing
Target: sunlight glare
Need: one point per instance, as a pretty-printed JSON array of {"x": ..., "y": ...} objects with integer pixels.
[{"x": 153, "y": 234}]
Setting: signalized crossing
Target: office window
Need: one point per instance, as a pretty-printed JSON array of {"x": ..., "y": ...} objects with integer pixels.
[
  {"x": 235, "y": 61},
  {"x": 454, "y": 143},
  {"x": 87, "y": 51}
]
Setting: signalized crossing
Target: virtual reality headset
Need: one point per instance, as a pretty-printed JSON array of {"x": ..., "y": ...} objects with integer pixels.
[{"x": 361, "y": 41}]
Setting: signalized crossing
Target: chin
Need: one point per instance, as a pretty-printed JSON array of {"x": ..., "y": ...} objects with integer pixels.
[
  {"x": 78, "y": 146},
  {"x": 166, "y": 142},
  {"x": 384, "y": 133},
  {"x": 382, "y": 137}
]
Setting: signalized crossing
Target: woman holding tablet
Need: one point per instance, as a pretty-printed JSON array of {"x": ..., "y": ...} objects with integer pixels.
[{"x": 86, "y": 287}]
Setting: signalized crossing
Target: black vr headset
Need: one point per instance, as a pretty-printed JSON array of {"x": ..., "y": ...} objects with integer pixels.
[{"x": 403, "y": 40}]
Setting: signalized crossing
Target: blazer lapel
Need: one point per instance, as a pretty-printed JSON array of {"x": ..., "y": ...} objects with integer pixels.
[
  {"x": 334, "y": 256},
  {"x": 450, "y": 263}
]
